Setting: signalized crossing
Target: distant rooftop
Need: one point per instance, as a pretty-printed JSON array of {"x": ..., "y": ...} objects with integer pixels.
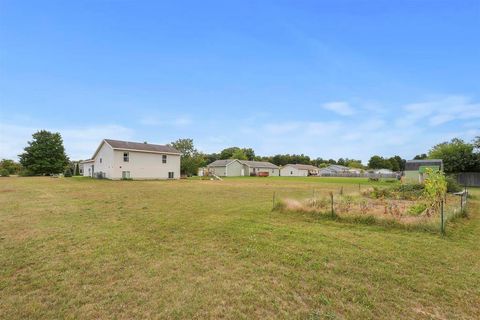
[{"x": 253, "y": 164}]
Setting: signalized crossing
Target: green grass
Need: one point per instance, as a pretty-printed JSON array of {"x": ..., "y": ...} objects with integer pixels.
[{"x": 98, "y": 249}]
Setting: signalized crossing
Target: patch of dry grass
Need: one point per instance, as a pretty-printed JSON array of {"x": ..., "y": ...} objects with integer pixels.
[{"x": 81, "y": 248}]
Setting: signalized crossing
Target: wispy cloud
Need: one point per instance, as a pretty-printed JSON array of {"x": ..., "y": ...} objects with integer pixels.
[
  {"x": 439, "y": 111},
  {"x": 339, "y": 107}
]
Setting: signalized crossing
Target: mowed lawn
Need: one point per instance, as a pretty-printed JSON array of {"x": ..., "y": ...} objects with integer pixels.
[{"x": 97, "y": 249}]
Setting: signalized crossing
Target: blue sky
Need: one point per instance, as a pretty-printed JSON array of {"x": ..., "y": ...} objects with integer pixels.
[{"x": 326, "y": 78}]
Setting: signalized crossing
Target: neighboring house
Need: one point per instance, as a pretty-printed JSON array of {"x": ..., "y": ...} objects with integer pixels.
[
  {"x": 238, "y": 168},
  {"x": 298, "y": 170},
  {"x": 415, "y": 169},
  {"x": 383, "y": 171},
  {"x": 333, "y": 169},
  {"x": 339, "y": 170},
  {"x": 116, "y": 159}
]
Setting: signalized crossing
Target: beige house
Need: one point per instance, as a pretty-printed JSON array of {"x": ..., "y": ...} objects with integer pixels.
[
  {"x": 299, "y": 170},
  {"x": 239, "y": 168},
  {"x": 116, "y": 159}
]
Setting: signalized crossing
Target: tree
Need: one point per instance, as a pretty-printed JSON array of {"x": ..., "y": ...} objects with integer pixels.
[
  {"x": 457, "y": 156},
  {"x": 45, "y": 154},
  {"x": 239, "y": 154},
  {"x": 377, "y": 162},
  {"x": 10, "y": 166},
  {"x": 249, "y": 153},
  {"x": 76, "y": 172},
  {"x": 420, "y": 156},
  {"x": 191, "y": 159}
]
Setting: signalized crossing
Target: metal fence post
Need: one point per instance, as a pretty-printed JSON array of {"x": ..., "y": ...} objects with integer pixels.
[
  {"x": 273, "y": 200},
  {"x": 331, "y": 199},
  {"x": 442, "y": 219}
]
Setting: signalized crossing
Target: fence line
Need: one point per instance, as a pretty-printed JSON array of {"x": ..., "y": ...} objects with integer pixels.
[{"x": 335, "y": 205}]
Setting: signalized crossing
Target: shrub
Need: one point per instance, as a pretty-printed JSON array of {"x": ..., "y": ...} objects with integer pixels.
[
  {"x": 417, "y": 209},
  {"x": 380, "y": 193},
  {"x": 452, "y": 185},
  {"x": 67, "y": 173},
  {"x": 4, "y": 173}
]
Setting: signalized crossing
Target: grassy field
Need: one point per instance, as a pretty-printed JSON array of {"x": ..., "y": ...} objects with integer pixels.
[{"x": 81, "y": 248}]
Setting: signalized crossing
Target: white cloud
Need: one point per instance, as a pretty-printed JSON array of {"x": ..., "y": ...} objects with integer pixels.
[
  {"x": 436, "y": 112},
  {"x": 339, "y": 107}
]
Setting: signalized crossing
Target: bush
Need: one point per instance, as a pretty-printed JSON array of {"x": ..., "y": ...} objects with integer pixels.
[
  {"x": 380, "y": 193},
  {"x": 4, "y": 173},
  {"x": 67, "y": 173},
  {"x": 417, "y": 209},
  {"x": 452, "y": 185}
]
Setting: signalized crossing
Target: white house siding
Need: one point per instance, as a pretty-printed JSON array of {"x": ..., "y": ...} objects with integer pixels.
[
  {"x": 87, "y": 168},
  {"x": 145, "y": 165},
  {"x": 289, "y": 171},
  {"x": 235, "y": 169},
  {"x": 103, "y": 161},
  {"x": 218, "y": 171}
]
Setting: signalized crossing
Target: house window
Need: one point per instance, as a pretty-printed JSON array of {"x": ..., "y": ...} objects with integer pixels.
[
  {"x": 100, "y": 160},
  {"x": 125, "y": 157},
  {"x": 164, "y": 158},
  {"x": 125, "y": 174},
  {"x": 291, "y": 172},
  {"x": 170, "y": 175}
]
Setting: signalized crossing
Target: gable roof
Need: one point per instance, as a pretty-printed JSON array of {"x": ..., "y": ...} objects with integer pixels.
[
  {"x": 137, "y": 146},
  {"x": 302, "y": 166},
  {"x": 253, "y": 164},
  {"x": 259, "y": 164},
  {"x": 221, "y": 163}
]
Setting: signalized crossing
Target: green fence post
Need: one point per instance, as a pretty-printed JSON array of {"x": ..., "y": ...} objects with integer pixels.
[
  {"x": 442, "y": 220},
  {"x": 331, "y": 199}
]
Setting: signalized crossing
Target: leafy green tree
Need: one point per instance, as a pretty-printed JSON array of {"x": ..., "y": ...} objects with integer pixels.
[
  {"x": 191, "y": 159},
  {"x": 457, "y": 156},
  {"x": 45, "y": 154},
  {"x": 357, "y": 164},
  {"x": 227, "y": 153},
  {"x": 239, "y": 154},
  {"x": 249, "y": 153},
  {"x": 11, "y": 166},
  {"x": 422, "y": 156},
  {"x": 377, "y": 162}
]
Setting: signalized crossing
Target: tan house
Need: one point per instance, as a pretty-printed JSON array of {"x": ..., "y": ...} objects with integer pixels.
[
  {"x": 239, "y": 168},
  {"x": 116, "y": 159},
  {"x": 299, "y": 170}
]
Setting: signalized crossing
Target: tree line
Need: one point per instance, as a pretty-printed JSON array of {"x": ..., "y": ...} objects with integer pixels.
[{"x": 45, "y": 155}]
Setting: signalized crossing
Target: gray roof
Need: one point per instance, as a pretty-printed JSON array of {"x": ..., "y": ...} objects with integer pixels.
[
  {"x": 253, "y": 164},
  {"x": 336, "y": 168},
  {"x": 303, "y": 166},
  {"x": 127, "y": 145},
  {"x": 259, "y": 164},
  {"x": 412, "y": 165}
]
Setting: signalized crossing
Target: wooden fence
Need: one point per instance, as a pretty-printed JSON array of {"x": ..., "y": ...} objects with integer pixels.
[{"x": 469, "y": 179}]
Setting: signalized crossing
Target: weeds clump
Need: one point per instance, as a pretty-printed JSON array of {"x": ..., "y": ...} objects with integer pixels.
[{"x": 417, "y": 209}]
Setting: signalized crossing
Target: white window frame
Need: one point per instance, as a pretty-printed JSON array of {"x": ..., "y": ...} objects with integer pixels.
[
  {"x": 127, "y": 157},
  {"x": 164, "y": 158}
]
